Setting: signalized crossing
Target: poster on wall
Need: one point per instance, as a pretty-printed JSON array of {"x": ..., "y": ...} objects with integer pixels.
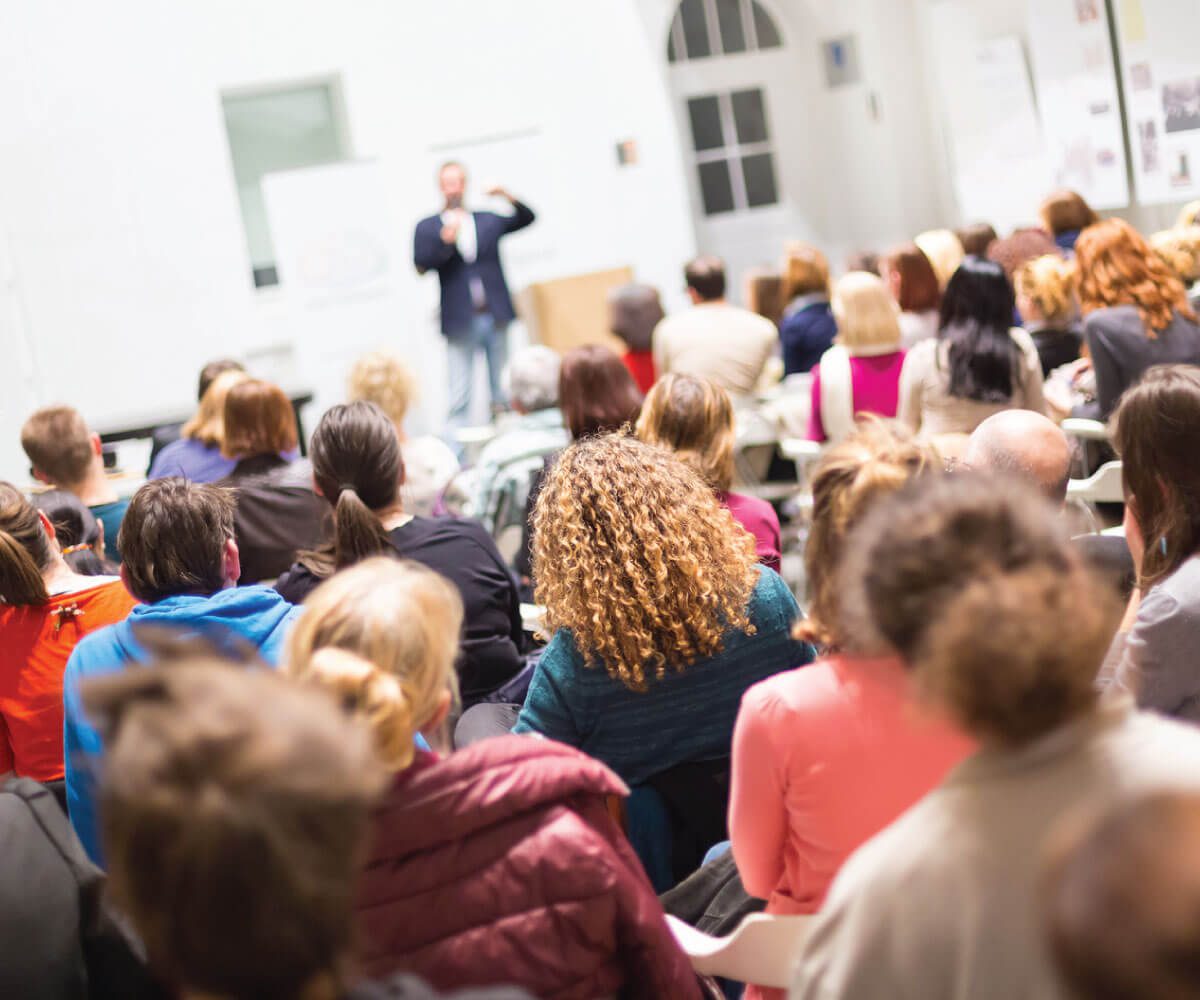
[
  {"x": 1076, "y": 87},
  {"x": 1160, "y": 62}
]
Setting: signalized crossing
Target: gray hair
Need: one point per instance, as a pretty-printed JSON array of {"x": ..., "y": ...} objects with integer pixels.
[
  {"x": 532, "y": 377},
  {"x": 633, "y": 312}
]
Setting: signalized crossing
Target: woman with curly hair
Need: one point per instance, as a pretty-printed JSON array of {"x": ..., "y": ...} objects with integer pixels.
[
  {"x": 662, "y": 616},
  {"x": 1136, "y": 311}
]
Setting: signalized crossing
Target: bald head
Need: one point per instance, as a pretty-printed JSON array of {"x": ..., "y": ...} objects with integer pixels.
[{"x": 1024, "y": 443}]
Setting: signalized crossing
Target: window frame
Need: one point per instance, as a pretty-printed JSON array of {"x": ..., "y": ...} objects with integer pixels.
[
  {"x": 733, "y": 151},
  {"x": 677, "y": 43}
]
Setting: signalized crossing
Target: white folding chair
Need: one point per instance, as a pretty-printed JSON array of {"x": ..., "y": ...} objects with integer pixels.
[
  {"x": 1103, "y": 486},
  {"x": 1086, "y": 431},
  {"x": 763, "y": 950}
]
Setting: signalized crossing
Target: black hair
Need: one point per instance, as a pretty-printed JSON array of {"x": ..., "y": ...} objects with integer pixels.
[
  {"x": 78, "y": 529},
  {"x": 976, "y": 314}
]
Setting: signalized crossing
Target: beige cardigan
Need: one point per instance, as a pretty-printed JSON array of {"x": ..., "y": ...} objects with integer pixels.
[
  {"x": 941, "y": 905},
  {"x": 927, "y": 406}
]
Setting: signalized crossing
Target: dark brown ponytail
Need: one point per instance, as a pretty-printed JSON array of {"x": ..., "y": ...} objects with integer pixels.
[
  {"x": 24, "y": 550},
  {"x": 357, "y": 465}
]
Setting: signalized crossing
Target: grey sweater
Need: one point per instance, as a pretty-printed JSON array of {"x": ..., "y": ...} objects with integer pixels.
[{"x": 1121, "y": 351}]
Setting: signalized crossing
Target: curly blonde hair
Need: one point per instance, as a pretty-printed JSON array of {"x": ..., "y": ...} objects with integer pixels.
[
  {"x": 1118, "y": 268},
  {"x": 634, "y": 555},
  {"x": 383, "y": 378},
  {"x": 1179, "y": 249},
  {"x": 1049, "y": 282}
]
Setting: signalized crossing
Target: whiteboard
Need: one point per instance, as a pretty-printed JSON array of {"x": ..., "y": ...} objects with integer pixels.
[
  {"x": 1160, "y": 61},
  {"x": 1078, "y": 106}
]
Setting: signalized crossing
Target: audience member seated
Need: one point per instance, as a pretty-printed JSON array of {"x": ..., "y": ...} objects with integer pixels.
[
  {"x": 1120, "y": 901},
  {"x": 277, "y": 512},
  {"x": 911, "y": 279},
  {"x": 826, "y": 756},
  {"x": 66, "y": 455},
  {"x": 1179, "y": 249},
  {"x": 532, "y": 383},
  {"x": 863, "y": 260},
  {"x": 714, "y": 339},
  {"x": 633, "y": 313},
  {"x": 47, "y": 608},
  {"x": 1135, "y": 311},
  {"x": 1064, "y": 216},
  {"x": 661, "y": 615},
  {"x": 1020, "y": 247},
  {"x": 976, "y": 238},
  {"x": 80, "y": 535},
  {"x": 944, "y": 252},
  {"x": 500, "y": 862},
  {"x": 197, "y": 455},
  {"x": 182, "y": 564},
  {"x": 358, "y": 469},
  {"x": 694, "y": 418},
  {"x": 978, "y": 365},
  {"x": 1157, "y": 433},
  {"x": 598, "y": 396},
  {"x": 971, "y": 581},
  {"x": 429, "y": 463},
  {"x": 58, "y": 940},
  {"x": 165, "y": 434},
  {"x": 807, "y": 327},
  {"x": 1045, "y": 289},
  {"x": 237, "y": 809},
  {"x": 860, "y": 373},
  {"x": 1026, "y": 444}
]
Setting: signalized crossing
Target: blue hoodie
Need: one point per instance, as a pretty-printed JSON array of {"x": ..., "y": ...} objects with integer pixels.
[{"x": 257, "y": 615}]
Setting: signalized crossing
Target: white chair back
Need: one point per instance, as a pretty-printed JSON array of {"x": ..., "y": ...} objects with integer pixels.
[
  {"x": 1103, "y": 486},
  {"x": 763, "y": 950}
]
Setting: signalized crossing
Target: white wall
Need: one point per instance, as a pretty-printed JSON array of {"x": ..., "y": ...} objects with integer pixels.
[{"x": 119, "y": 203}]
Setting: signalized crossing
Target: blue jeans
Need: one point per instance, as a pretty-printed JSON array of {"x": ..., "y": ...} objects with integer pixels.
[{"x": 461, "y": 348}]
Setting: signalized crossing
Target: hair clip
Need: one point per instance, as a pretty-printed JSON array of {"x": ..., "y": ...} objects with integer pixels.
[{"x": 82, "y": 546}]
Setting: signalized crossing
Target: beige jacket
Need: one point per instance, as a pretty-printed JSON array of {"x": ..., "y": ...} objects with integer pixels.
[{"x": 717, "y": 341}]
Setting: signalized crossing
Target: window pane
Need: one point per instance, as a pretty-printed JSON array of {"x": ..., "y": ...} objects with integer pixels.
[
  {"x": 764, "y": 28},
  {"x": 715, "y": 187},
  {"x": 279, "y": 130},
  {"x": 759, "y": 171},
  {"x": 695, "y": 28},
  {"x": 749, "y": 115},
  {"x": 733, "y": 32},
  {"x": 705, "y": 116}
]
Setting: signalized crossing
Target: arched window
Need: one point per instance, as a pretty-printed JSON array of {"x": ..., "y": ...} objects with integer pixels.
[{"x": 703, "y": 28}]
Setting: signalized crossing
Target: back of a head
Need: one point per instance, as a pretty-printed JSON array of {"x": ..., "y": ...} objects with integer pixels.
[
  {"x": 358, "y": 467},
  {"x": 1189, "y": 215},
  {"x": 1155, "y": 431},
  {"x": 944, "y": 251},
  {"x": 1026, "y": 444},
  {"x": 213, "y": 370},
  {"x": 867, "y": 320},
  {"x": 258, "y": 420},
  {"x": 1066, "y": 211},
  {"x": 976, "y": 238},
  {"x": 706, "y": 277},
  {"x": 633, "y": 312},
  {"x": 1118, "y": 268},
  {"x": 693, "y": 417},
  {"x": 918, "y": 289},
  {"x": 873, "y": 462},
  {"x": 634, "y": 554},
  {"x": 1179, "y": 249},
  {"x": 1020, "y": 247},
  {"x": 208, "y": 424},
  {"x": 1121, "y": 901},
  {"x": 1049, "y": 283},
  {"x": 383, "y": 636},
  {"x": 863, "y": 260},
  {"x": 383, "y": 378},
  {"x": 976, "y": 314},
  {"x": 533, "y": 375},
  {"x": 970, "y": 579},
  {"x": 25, "y": 550},
  {"x": 77, "y": 531},
  {"x": 59, "y": 445},
  {"x": 235, "y": 805},
  {"x": 596, "y": 392},
  {"x": 173, "y": 539},
  {"x": 805, "y": 271}
]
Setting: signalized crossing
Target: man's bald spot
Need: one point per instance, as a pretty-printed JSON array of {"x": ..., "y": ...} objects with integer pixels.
[{"x": 1025, "y": 443}]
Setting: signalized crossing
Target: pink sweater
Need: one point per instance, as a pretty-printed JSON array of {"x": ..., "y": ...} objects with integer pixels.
[
  {"x": 875, "y": 385},
  {"x": 824, "y": 757}
]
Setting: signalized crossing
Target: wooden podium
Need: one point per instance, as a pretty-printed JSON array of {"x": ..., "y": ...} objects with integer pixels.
[{"x": 570, "y": 312}]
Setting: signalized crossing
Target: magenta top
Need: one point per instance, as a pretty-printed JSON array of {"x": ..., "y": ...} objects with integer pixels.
[
  {"x": 759, "y": 518},
  {"x": 874, "y": 382}
]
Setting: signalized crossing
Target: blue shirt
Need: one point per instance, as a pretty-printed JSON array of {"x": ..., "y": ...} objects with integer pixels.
[
  {"x": 188, "y": 458},
  {"x": 686, "y": 716},
  {"x": 805, "y": 333},
  {"x": 111, "y": 515}
]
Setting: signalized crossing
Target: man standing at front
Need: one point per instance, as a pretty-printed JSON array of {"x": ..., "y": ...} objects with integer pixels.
[{"x": 464, "y": 248}]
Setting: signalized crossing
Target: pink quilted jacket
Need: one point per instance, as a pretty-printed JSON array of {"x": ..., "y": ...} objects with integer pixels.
[{"x": 501, "y": 865}]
